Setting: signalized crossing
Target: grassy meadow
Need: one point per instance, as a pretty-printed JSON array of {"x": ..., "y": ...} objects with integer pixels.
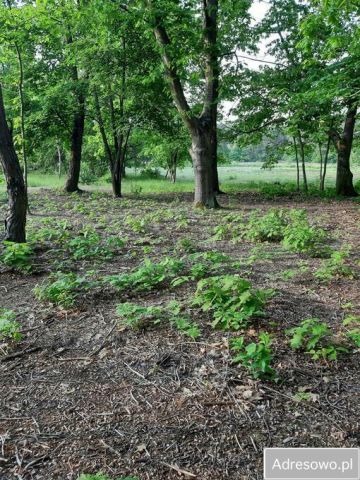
[{"x": 232, "y": 177}]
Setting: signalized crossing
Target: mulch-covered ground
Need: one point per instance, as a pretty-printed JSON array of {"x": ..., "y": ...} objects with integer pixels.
[{"x": 79, "y": 393}]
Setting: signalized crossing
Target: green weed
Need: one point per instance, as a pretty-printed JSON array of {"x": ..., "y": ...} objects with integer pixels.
[
  {"x": 352, "y": 330},
  {"x": 231, "y": 300},
  {"x": 256, "y": 357},
  {"x": 147, "y": 276},
  {"x": 9, "y": 327},
  {"x": 17, "y": 255},
  {"x": 314, "y": 337},
  {"x": 335, "y": 266},
  {"x": 62, "y": 288}
]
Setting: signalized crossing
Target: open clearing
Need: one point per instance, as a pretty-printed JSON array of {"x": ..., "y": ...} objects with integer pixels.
[
  {"x": 83, "y": 393},
  {"x": 237, "y": 176}
]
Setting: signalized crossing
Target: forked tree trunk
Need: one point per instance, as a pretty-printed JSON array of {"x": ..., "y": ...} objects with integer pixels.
[
  {"x": 343, "y": 145},
  {"x": 16, "y": 217},
  {"x": 72, "y": 183},
  {"x": 202, "y": 128},
  {"x": 201, "y": 156}
]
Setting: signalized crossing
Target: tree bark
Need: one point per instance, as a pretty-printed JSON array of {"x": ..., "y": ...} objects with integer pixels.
[
  {"x": 16, "y": 217},
  {"x": 343, "y": 145},
  {"x": 200, "y": 152},
  {"x": 77, "y": 136}
]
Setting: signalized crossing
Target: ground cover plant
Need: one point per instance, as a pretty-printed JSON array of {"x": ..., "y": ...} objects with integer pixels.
[{"x": 119, "y": 340}]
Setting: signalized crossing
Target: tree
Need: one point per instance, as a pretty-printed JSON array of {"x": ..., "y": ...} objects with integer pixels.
[
  {"x": 16, "y": 218},
  {"x": 338, "y": 46},
  {"x": 192, "y": 45}
]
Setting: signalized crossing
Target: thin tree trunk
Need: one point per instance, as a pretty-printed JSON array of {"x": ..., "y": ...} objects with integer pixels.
[
  {"x": 22, "y": 120},
  {"x": 58, "y": 148},
  {"x": 16, "y": 217},
  {"x": 321, "y": 162},
  {"x": 297, "y": 165},
  {"x": 326, "y": 157},
  {"x": 343, "y": 145},
  {"x": 303, "y": 165},
  {"x": 101, "y": 124}
]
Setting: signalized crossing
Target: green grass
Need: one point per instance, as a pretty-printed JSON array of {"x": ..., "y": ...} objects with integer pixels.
[{"x": 244, "y": 176}]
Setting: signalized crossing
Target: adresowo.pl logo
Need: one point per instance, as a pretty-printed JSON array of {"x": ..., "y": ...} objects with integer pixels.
[{"x": 311, "y": 463}]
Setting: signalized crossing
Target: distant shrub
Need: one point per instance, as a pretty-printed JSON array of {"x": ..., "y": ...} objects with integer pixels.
[{"x": 150, "y": 173}]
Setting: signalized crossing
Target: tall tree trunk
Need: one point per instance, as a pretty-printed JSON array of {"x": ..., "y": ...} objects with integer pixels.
[
  {"x": 77, "y": 136},
  {"x": 343, "y": 145},
  {"x": 16, "y": 217},
  {"x": 303, "y": 165},
  {"x": 116, "y": 174}
]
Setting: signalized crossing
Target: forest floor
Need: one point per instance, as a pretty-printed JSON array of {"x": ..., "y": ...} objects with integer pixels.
[{"x": 81, "y": 392}]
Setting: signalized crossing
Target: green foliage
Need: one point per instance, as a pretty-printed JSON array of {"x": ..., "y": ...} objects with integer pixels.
[
  {"x": 88, "y": 245},
  {"x": 141, "y": 317},
  {"x": 17, "y": 255},
  {"x": 136, "y": 224},
  {"x": 268, "y": 228},
  {"x": 352, "y": 329},
  {"x": 62, "y": 288},
  {"x": 313, "y": 336},
  {"x": 256, "y": 357},
  {"x": 9, "y": 327},
  {"x": 186, "y": 327},
  {"x": 231, "y": 300},
  {"x": 335, "y": 266},
  {"x": 272, "y": 190},
  {"x": 52, "y": 231},
  {"x": 102, "y": 476},
  {"x": 148, "y": 276},
  {"x": 300, "y": 236},
  {"x": 186, "y": 245}
]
